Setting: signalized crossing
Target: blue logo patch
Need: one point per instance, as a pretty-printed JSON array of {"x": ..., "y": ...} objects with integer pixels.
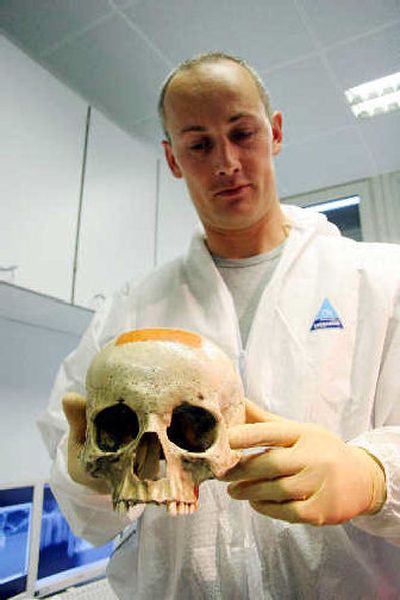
[{"x": 327, "y": 318}]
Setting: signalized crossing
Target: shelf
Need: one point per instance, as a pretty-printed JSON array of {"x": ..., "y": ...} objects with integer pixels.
[{"x": 38, "y": 310}]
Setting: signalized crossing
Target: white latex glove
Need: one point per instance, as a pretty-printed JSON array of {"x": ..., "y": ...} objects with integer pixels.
[
  {"x": 309, "y": 476},
  {"x": 74, "y": 407}
]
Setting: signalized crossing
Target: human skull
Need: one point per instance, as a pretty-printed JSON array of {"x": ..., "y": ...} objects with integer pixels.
[{"x": 159, "y": 402}]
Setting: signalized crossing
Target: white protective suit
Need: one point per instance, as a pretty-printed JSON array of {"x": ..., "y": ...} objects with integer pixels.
[{"x": 345, "y": 378}]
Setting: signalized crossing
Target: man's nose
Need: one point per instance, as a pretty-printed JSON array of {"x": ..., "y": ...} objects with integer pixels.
[{"x": 226, "y": 159}]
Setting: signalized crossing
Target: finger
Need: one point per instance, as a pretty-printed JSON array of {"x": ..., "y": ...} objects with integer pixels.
[
  {"x": 284, "y": 512},
  {"x": 283, "y": 489},
  {"x": 267, "y": 464},
  {"x": 256, "y": 414},
  {"x": 74, "y": 407},
  {"x": 278, "y": 433},
  {"x": 292, "y": 512}
]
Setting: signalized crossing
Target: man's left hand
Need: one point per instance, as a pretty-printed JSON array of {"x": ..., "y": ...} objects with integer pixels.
[{"x": 304, "y": 473}]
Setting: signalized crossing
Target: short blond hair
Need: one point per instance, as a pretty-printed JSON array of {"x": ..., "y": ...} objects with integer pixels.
[{"x": 209, "y": 58}]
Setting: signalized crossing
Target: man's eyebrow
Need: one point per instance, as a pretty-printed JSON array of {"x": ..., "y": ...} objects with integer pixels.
[
  {"x": 192, "y": 128},
  {"x": 239, "y": 116}
]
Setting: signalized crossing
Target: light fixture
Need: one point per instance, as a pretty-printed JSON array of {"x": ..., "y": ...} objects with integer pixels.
[
  {"x": 334, "y": 204},
  {"x": 375, "y": 97}
]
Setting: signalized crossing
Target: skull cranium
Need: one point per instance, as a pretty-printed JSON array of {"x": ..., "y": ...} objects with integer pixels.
[{"x": 159, "y": 402}]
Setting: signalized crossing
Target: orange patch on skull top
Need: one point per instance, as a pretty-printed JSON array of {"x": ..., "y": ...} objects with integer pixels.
[{"x": 181, "y": 336}]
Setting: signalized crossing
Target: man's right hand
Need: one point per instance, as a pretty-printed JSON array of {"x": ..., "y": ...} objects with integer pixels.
[{"x": 74, "y": 407}]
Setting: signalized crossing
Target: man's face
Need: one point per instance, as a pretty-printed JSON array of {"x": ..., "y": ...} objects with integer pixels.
[{"x": 222, "y": 144}]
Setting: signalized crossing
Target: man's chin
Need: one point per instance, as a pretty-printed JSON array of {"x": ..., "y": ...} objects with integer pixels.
[{"x": 231, "y": 224}]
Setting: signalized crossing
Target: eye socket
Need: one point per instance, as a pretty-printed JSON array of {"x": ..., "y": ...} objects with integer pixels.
[
  {"x": 192, "y": 428},
  {"x": 116, "y": 427}
]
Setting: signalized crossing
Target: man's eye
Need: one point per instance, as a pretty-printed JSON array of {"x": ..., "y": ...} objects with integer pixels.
[
  {"x": 243, "y": 134},
  {"x": 201, "y": 146}
]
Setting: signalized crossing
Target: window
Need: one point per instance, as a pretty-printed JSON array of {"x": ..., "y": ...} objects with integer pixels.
[{"x": 344, "y": 213}]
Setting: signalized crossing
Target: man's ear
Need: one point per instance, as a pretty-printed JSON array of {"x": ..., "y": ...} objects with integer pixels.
[
  {"x": 276, "y": 125},
  {"x": 169, "y": 155}
]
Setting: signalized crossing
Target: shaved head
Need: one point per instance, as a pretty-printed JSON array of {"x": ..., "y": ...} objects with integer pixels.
[{"x": 199, "y": 63}]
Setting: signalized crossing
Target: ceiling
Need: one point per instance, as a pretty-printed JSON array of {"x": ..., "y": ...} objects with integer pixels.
[{"x": 116, "y": 53}]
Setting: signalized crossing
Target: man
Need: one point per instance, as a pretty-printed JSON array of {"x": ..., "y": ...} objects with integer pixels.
[{"x": 312, "y": 321}]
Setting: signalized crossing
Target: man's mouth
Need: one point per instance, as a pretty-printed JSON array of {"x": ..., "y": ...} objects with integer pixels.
[{"x": 232, "y": 191}]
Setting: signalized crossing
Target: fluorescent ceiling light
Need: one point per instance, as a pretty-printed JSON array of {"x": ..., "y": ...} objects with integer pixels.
[
  {"x": 334, "y": 204},
  {"x": 375, "y": 97}
]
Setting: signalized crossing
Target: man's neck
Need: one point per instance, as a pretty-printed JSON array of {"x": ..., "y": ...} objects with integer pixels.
[{"x": 260, "y": 237}]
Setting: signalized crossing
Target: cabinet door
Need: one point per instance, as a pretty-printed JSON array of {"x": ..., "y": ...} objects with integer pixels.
[
  {"x": 42, "y": 132},
  {"x": 118, "y": 212}
]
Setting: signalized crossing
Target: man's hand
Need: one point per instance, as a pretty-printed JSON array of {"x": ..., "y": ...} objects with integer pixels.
[
  {"x": 74, "y": 407},
  {"x": 305, "y": 474}
]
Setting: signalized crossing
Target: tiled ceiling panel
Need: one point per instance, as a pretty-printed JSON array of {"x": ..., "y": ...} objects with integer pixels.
[
  {"x": 265, "y": 33},
  {"x": 41, "y": 25},
  {"x": 115, "y": 68},
  {"x": 310, "y": 100},
  {"x": 369, "y": 57},
  {"x": 382, "y": 135},
  {"x": 333, "y": 21},
  {"x": 337, "y": 157}
]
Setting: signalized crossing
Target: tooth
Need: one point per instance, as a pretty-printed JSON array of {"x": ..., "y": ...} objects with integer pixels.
[{"x": 172, "y": 508}]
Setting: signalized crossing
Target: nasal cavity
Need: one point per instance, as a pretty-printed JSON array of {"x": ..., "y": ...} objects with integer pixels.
[{"x": 148, "y": 455}]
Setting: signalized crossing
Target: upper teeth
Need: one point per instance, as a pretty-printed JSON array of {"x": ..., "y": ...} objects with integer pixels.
[{"x": 181, "y": 508}]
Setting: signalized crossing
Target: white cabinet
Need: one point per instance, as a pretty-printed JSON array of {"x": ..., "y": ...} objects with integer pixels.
[
  {"x": 42, "y": 133},
  {"x": 118, "y": 211}
]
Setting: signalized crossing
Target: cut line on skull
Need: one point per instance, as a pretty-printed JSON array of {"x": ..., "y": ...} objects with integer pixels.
[{"x": 159, "y": 403}]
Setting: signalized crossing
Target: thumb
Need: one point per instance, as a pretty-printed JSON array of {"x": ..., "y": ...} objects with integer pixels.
[
  {"x": 74, "y": 407},
  {"x": 256, "y": 414}
]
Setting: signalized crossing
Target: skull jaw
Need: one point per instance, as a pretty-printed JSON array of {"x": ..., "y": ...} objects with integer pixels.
[
  {"x": 179, "y": 491},
  {"x": 179, "y": 499}
]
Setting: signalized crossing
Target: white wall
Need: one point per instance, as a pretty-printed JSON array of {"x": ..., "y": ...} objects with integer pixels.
[
  {"x": 24, "y": 387},
  {"x": 36, "y": 333},
  {"x": 177, "y": 218}
]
